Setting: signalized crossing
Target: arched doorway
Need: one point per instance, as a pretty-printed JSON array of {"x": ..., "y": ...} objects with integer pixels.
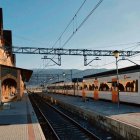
[{"x": 9, "y": 89}]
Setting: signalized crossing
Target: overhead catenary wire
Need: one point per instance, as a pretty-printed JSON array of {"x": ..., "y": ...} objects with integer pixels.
[
  {"x": 80, "y": 25},
  {"x": 99, "y": 66},
  {"x": 102, "y": 65},
  {"x": 114, "y": 45},
  {"x": 134, "y": 47},
  {"x": 31, "y": 40},
  {"x": 82, "y": 72},
  {"x": 70, "y": 22}
]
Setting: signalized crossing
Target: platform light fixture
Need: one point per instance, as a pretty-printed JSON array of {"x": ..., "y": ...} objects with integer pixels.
[
  {"x": 64, "y": 74},
  {"x": 116, "y": 53}
]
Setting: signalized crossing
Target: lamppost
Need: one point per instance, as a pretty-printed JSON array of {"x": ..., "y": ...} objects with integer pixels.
[
  {"x": 58, "y": 77},
  {"x": 116, "y": 54},
  {"x": 50, "y": 81},
  {"x": 64, "y": 81}
]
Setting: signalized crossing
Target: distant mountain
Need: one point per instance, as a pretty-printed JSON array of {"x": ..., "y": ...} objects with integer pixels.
[{"x": 43, "y": 76}]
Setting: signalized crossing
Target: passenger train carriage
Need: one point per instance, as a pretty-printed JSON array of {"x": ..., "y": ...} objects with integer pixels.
[{"x": 104, "y": 86}]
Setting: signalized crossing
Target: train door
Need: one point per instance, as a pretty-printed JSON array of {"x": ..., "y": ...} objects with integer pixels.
[
  {"x": 83, "y": 91},
  {"x": 114, "y": 90},
  {"x": 96, "y": 89}
]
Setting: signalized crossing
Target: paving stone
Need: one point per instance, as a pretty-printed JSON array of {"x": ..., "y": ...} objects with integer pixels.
[{"x": 14, "y": 124}]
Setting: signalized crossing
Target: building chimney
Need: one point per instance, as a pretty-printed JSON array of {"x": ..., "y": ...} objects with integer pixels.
[{"x": 1, "y": 28}]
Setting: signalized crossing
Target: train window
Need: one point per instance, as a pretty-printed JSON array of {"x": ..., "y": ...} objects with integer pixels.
[
  {"x": 91, "y": 87},
  {"x": 121, "y": 87},
  {"x": 85, "y": 87},
  {"x": 131, "y": 86},
  {"x": 104, "y": 87},
  {"x": 127, "y": 86},
  {"x": 80, "y": 88}
]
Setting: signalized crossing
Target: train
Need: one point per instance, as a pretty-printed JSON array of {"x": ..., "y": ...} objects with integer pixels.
[{"x": 104, "y": 86}]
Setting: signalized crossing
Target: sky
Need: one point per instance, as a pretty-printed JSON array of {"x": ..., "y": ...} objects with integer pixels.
[{"x": 114, "y": 25}]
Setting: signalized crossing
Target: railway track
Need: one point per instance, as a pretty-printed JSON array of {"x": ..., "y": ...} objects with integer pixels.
[{"x": 61, "y": 126}]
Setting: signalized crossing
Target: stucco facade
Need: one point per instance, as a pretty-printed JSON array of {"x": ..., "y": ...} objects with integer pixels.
[{"x": 11, "y": 78}]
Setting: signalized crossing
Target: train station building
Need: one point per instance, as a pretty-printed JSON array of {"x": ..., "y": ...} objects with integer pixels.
[{"x": 12, "y": 78}]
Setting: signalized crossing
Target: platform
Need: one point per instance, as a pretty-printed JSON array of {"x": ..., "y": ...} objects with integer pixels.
[
  {"x": 19, "y": 122},
  {"x": 124, "y": 120}
]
